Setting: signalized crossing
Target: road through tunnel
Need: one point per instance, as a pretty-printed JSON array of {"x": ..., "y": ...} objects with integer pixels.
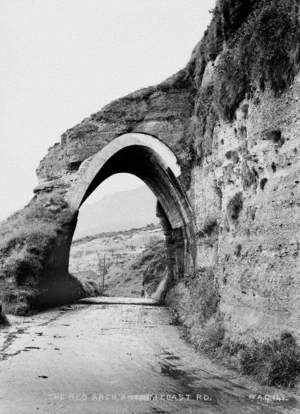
[{"x": 138, "y": 154}]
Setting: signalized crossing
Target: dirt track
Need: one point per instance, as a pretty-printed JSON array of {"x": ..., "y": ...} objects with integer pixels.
[{"x": 118, "y": 359}]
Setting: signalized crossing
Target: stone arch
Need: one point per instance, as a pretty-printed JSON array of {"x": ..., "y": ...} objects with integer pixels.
[{"x": 154, "y": 163}]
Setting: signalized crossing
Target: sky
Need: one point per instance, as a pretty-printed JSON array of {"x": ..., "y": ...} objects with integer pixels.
[{"x": 62, "y": 60}]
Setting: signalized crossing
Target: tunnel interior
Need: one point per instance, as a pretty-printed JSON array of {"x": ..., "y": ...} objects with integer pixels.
[{"x": 172, "y": 205}]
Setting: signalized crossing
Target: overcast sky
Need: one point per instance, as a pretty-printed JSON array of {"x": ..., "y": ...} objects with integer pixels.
[{"x": 62, "y": 60}]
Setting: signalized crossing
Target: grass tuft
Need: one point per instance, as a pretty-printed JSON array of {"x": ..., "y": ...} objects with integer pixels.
[{"x": 273, "y": 362}]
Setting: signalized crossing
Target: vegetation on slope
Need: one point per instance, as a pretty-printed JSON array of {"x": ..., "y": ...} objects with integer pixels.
[
  {"x": 153, "y": 265},
  {"x": 141, "y": 275},
  {"x": 194, "y": 303},
  {"x": 27, "y": 239},
  {"x": 251, "y": 45},
  {"x": 272, "y": 362},
  {"x": 118, "y": 256}
]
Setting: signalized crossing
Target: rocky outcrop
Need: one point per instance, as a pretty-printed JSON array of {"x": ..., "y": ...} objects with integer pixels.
[
  {"x": 244, "y": 187},
  {"x": 232, "y": 118}
]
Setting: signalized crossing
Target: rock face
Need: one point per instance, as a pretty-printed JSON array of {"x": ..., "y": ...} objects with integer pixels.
[{"x": 232, "y": 118}]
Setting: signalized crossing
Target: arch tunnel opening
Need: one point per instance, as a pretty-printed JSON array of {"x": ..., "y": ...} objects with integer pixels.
[
  {"x": 154, "y": 163},
  {"x": 118, "y": 245}
]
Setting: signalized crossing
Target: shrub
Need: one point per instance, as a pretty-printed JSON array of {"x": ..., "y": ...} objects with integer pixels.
[
  {"x": 273, "y": 362},
  {"x": 258, "y": 43},
  {"x": 91, "y": 287},
  {"x": 154, "y": 265},
  {"x": 207, "y": 291},
  {"x": 213, "y": 337},
  {"x": 272, "y": 51},
  {"x": 234, "y": 13},
  {"x": 231, "y": 84},
  {"x": 264, "y": 49},
  {"x": 196, "y": 299},
  {"x": 235, "y": 206}
]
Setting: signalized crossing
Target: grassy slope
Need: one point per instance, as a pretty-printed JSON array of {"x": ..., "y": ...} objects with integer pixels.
[
  {"x": 140, "y": 276},
  {"x": 132, "y": 260},
  {"x": 26, "y": 240}
]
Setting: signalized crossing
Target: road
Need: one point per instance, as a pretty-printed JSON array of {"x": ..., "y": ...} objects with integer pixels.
[{"x": 101, "y": 358}]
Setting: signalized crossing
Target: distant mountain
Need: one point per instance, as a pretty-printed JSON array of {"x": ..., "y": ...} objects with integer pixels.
[{"x": 120, "y": 211}]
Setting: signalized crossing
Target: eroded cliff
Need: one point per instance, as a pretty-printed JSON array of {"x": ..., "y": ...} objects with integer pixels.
[{"x": 232, "y": 118}]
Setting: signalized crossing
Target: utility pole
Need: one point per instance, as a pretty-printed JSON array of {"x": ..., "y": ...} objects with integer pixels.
[
  {"x": 102, "y": 269},
  {"x": 103, "y": 273}
]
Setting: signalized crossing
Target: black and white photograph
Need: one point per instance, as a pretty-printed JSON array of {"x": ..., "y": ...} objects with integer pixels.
[{"x": 150, "y": 206}]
